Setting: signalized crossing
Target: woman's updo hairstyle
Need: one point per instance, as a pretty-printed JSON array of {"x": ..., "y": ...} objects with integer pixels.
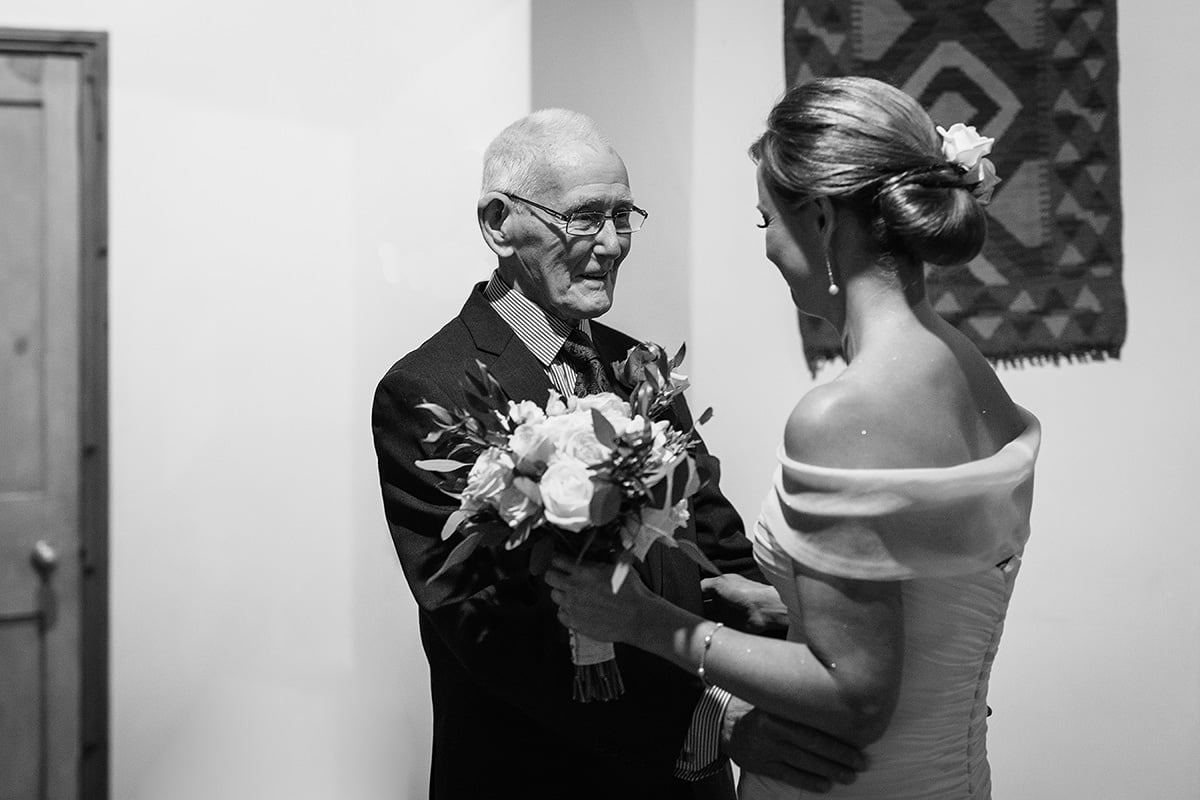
[{"x": 869, "y": 145}]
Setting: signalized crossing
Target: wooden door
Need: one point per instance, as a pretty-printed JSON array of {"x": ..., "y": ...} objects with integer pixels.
[{"x": 48, "y": 436}]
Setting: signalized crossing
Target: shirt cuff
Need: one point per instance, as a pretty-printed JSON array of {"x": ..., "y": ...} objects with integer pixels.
[{"x": 701, "y": 753}]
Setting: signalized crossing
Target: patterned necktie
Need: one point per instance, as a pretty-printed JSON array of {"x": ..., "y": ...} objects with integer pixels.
[{"x": 580, "y": 353}]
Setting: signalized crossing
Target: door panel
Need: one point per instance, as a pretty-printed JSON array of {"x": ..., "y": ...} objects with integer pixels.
[{"x": 40, "y": 277}]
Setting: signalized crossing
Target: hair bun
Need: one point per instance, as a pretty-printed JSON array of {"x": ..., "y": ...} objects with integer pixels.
[{"x": 932, "y": 215}]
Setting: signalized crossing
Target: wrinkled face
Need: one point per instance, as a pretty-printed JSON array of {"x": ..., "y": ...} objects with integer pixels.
[
  {"x": 571, "y": 276},
  {"x": 793, "y": 245}
]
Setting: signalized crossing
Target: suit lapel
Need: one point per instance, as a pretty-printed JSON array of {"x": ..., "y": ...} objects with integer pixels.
[{"x": 506, "y": 356}]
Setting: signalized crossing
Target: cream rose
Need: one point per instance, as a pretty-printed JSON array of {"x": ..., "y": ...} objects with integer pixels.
[
  {"x": 515, "y": 506},
  {"x": 555, "y": 406},
  {"x": 531, "y": 444},
  {"x": 567, "y": 493},
  {"x": 490, "y": 475},
  {"x": 525, "y": 412},
  {"x": 581, "y": 443},
  {"x": 963, "y": 145},
  {"x": 614, "y": 409}
]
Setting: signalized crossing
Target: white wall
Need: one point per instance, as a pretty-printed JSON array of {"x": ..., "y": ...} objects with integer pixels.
[
  {"x": 292, "y": 208},
  {"x": 292, "y": 202},
  {"x": 1096, "y": 689},
  {"x": 633, "y": 73}
]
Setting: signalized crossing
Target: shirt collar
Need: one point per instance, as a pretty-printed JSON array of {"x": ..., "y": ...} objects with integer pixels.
[{"x": 539, "y": 330}]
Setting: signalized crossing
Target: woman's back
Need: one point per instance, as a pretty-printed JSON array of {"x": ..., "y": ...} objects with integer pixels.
[
  {"x": 949, "y": 533},
  {"x": 918, "y": 395}
]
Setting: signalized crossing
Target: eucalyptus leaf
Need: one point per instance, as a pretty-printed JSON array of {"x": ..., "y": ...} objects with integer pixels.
[
  {"x": 706, "y": 416},
  {"x": 606, "y": 434},
  {"x": 621, "y": 571},
  {"x": 439, "y": 413},
  {"x": 440, "y": 464},
  {"x": 606, "y": 503},
  {"x": 677, "y": 359},
  {"x": 452, "y": 522},
  {"x": 458, "y": 555},
  {"x": 476, "y": 379},
  {"x": 479, "y": 405},
  {"x": 653, "y": 377}
]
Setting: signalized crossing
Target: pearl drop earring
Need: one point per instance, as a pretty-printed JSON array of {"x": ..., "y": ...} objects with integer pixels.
[{"x": 833, "y": 287}]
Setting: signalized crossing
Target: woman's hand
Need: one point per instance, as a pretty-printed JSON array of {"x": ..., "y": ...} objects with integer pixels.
[{"x": 587, "y": 604}]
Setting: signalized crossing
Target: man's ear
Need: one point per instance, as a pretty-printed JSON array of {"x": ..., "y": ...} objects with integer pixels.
[{"x": 495, "y": 223}]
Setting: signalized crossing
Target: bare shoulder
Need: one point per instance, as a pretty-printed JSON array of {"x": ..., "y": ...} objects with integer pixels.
[{"x": 841, "y": 424}]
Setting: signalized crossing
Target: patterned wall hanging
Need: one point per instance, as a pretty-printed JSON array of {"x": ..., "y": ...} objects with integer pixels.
[{"x": 1041, "y": 77}]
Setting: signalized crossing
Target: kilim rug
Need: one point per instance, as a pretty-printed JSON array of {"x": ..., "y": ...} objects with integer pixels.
[{"x": 1040, "y": 76}]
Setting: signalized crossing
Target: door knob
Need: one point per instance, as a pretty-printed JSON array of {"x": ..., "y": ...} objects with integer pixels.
[{"x": 44, "y": 558}]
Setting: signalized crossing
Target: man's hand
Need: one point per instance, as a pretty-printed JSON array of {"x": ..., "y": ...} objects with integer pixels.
[
  {"x": 788, "y": 751},
  {"x": 744, "y": 604}
]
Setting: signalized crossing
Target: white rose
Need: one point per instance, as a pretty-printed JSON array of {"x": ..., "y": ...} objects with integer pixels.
[
  {"x": 531, "y": 444},
  {"x": 555, "y": 405},
  {"x": 567, "y": 494},
  {"x": 515, "y": 506},
  {"x": 614, "y": 409},
  {"x": 963, "y": 145},
  {"x": 985, "y": 179},
  {"x": 490, "y": 475},
  {"x": 581, "y": 443},
  {"x": 561, "y": 428},
  {"x": 658, "y": 430},
  {"x": 525, "y": 412}
]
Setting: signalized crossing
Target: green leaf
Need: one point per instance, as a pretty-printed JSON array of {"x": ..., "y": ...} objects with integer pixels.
[
  {"x": 642, "y": 399},
  {"x": 693, "y": 552},
  {"x": 653, "y": 377},
  {"x": 452, "y": 522},
  {"x": 606, "y": 434},
  {"x": 621, "y": 570},
  {"x": 539, "y": 559},
  {"x": 478, "y": 405},
  {"x": 706, "y": 416},
  {"x": 439, "y": 413},
  {"x": 440, "y": 464},
  {"x": 458, "y": 555},
  {"x": 478, "y": 377},
  {"x": 606, "y": 503},
  {"x": 677, "y": 359}
]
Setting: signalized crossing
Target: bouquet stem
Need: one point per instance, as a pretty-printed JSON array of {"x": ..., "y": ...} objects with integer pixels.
[{"x": 597, "y": 676}]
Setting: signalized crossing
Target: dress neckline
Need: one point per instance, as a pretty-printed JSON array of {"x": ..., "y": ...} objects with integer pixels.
[{"x": 1017, "y": 452}]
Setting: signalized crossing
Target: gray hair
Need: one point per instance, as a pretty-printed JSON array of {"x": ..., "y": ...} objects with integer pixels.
[{"x": 515, "y": 162}]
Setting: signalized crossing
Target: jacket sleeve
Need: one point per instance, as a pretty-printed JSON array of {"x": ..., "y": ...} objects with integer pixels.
[
  {"x": 497, "y": 620},
  {"x": 720, "y": 532}
]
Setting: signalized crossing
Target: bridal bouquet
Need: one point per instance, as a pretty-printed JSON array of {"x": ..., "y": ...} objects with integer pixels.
[{"x": 596, "y": 477}]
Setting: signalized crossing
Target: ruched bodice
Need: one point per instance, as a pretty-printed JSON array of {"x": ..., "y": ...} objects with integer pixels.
[{"x": 954, "y": 537}]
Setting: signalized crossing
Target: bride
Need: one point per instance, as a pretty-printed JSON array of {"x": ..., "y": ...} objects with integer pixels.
[{"x": 900, "y": 505}]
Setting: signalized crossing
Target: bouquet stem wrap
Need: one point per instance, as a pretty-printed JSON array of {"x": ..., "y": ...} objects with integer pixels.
[{"x": 597, "y": 676}]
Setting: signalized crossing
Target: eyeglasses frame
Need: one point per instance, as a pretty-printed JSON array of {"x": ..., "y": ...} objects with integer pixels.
[{"x": 566, "y": 218}]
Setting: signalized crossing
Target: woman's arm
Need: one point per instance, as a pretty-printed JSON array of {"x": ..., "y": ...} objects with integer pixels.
[{"x": 843, "y": 680}]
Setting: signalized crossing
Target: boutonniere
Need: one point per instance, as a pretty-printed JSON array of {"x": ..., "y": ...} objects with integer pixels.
[
  {"x": 965, "y": 148},
  {"x": 646, "y": 370}
]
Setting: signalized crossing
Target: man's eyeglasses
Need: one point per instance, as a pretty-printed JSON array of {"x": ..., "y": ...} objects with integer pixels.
[{"x": 589, "y": 223}]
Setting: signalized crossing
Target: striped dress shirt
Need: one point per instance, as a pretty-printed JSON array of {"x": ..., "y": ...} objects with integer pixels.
[{"x": 544, "y": 334}]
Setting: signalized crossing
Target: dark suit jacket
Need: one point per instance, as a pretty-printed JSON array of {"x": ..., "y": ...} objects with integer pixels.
[{"x": 501, "y": 675}]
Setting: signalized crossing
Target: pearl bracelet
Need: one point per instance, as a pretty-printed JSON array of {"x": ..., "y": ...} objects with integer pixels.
[{"x": 704, "y": 654}]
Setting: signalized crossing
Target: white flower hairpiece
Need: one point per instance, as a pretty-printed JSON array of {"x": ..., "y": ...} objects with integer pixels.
[{"x": 965, "y": 148}]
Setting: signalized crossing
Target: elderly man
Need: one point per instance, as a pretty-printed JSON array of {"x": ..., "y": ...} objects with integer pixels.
[{"x": 557, "y": 211}]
